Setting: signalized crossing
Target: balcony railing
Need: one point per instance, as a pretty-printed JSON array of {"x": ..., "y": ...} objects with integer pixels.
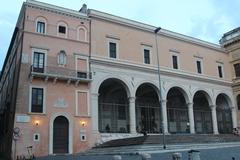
[{"x": 60, "y": 73}]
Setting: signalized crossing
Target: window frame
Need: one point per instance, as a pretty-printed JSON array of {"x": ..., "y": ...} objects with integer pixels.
[
  {"x": 30, "y": 99},
  {"x": 110, "y": 40},
  {"x": 63, "y": 24},
  {"x": 222, "y": 70},
  {"x": 149, "y": 56},
  {"x": 42, "y": 20},
  {"x": 85, "y": 33},
  {"x": 45, "y": 56},
  {"x": 201, "y": 65},
  {"x": 237, "y": 74}
]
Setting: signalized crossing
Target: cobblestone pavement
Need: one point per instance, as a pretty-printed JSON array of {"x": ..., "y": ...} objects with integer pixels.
[{"x": 226, "y": 153}]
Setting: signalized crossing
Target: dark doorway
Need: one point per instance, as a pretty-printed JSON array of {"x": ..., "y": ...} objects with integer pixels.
[
  {"x": 224, "y": 115},
  {"x": 60, "y": 135},
  {"x": 147, "y": 109},
  {"x": 177, "y": 111},
  {"x": 113, "y": 107},
  {"x": 202, "y": 113}
]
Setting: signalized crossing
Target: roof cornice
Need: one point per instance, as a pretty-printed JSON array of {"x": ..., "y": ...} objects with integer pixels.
[
  {"x": 149, "y": 28},
  {"x": 56, "y": 9}
]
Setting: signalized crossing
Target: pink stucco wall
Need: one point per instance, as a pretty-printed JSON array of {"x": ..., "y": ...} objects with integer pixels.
[{"x": 52, "y": 43}]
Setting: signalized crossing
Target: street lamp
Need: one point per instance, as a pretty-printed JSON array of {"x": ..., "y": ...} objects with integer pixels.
[{"x": 159, "y": 85}]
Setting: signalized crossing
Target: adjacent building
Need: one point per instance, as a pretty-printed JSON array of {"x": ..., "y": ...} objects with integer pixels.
[{"x": 74, "y": 79}]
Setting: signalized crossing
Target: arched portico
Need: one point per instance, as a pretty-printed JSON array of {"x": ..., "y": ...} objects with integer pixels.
[
  {"x": 177, "y": 109},
  {"x": 113, "y": 106},
  {"x": 224, "y": 113},
  {"x": 202, "y": 112},
  {"x": 147, "y": 109}
]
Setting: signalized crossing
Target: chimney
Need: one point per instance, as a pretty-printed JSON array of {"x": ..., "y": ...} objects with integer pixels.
[{"x": 83, "y": 9}]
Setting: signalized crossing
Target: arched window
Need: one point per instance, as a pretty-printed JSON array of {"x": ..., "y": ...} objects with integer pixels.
[
  {"x": 62, "y": 58},
  {"x": 82, "y": 33},
  {"x": 41, "y": 25}
]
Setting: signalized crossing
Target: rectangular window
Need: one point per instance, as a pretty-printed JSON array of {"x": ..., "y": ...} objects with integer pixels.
[
  {"x": 199, "y": 67},
  {"x": 237, "y": 69},
  {"x": 38, "y": 62},
  {"x": 146, "y": 56},
  {"x": 175, "y": 62},
  {"x": 37, "y": 100},
  {"x": 62, "y": 29},
  {"x": 112, "y": 50},
  {"x": 220, "y": 71},
  {"x": 40, "y": 27}
]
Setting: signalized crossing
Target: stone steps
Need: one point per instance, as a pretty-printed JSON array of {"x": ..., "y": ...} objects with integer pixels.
[{"x": 172, "y": 139}]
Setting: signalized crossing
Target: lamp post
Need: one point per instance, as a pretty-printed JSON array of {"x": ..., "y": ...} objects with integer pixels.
[{"x": 159, "y": 85}]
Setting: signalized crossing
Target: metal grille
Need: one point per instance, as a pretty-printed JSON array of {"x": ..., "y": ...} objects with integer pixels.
[{"x": 113, "y": 118}]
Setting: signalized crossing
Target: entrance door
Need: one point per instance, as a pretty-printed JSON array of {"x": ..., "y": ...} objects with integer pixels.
[
  {"x": 224, "y": 119},
  {"x": 148, "y": 119},
  {"x": 60, "y": 135},
  {"x": 203, "y": 121},
  {"x": 178, "y": 120}
]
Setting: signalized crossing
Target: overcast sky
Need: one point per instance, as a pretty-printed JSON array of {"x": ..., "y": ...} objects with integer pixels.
[{"x": 203, "y": 19}]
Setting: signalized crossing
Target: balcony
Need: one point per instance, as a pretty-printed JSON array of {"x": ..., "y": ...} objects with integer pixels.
[{"x": 54, "y": 74}]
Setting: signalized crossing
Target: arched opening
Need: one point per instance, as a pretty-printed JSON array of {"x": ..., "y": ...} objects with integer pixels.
[
  {"x": 60, "y": 135},
  {"x": 147, "y": 109},
  {"x": 113, "y": 107},
  {"x": 178, "y": 121},
  {"x": 202, "y": 113},
  {"x": 224, "y": 115}
]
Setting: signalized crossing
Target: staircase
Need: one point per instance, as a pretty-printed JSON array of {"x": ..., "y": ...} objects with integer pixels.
[{"x": 172, "y": 139}]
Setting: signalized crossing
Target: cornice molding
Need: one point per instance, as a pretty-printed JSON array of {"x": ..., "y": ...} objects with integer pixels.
[
  {"x": 56, "y": 9},
  {"x": 163, "y": 70}
]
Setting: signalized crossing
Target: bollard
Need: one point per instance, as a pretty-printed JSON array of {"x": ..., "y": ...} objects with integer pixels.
[
  {"x": 177, "y": 156},
  {"x": 117, "y": 157},
  {"x": 194, "y": 155},
  {"x": 146, "y": 156}
]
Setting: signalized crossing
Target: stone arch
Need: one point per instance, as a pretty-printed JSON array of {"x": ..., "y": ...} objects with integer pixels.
[
  {"x": 202, "y": 103},
  {"x": 70, "y": 136},
  {"x": 147, "y": 108},
  {"x": 153, "y": 84},
  {"x": 207, "y": 94},
  {"x": 123, "y": 81},
  {"x": 177, "y": 110},
  {"x": 224, "y": 113},
  {"x": 113, "y": 106},
  {"x": 181, "y": 89}
]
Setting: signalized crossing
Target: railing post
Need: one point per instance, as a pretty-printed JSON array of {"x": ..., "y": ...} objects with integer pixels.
[{"x": 194, "y": 155}]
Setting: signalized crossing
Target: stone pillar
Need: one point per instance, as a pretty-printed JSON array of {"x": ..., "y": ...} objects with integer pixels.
[
  {"x": 234, "y": 117},
  {"x": 132, "y": 117},
  {"x": 94, "y": 111},
  {"x": 191, "y": 118},
  {"x": 214, "y": 119},
  {"x": 164, "y": 116}
]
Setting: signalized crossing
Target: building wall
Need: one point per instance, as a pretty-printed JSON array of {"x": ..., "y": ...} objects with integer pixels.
[
  {"x": 131, "y": 42},
  {"x": 60, "y": 97}
]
